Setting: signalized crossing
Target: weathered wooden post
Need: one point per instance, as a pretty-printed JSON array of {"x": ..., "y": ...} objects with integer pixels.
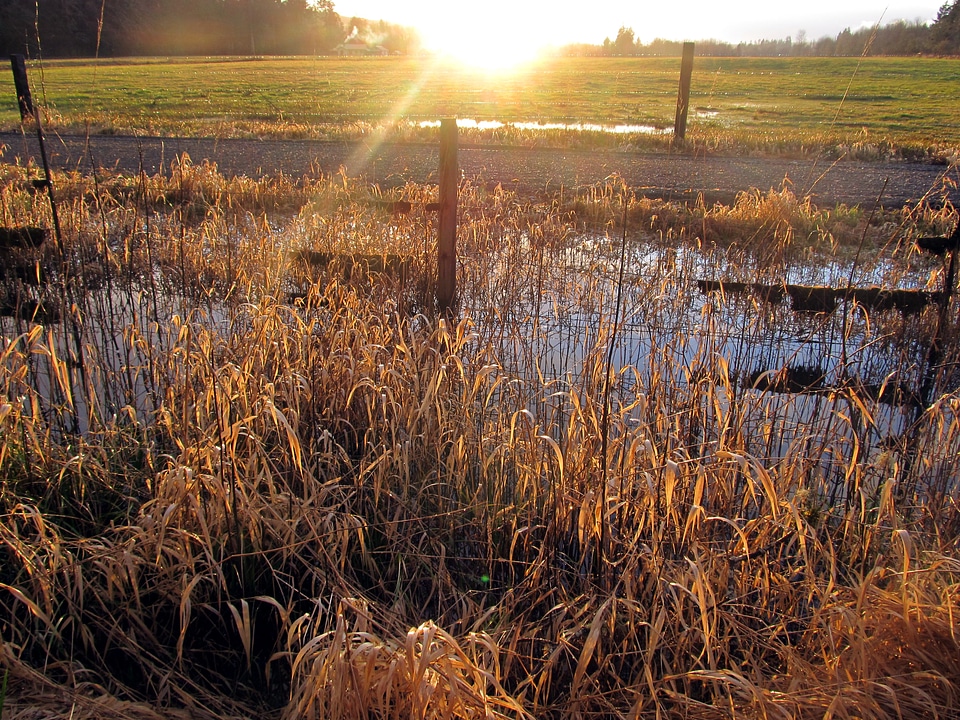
[
  {"x": 948, "y": 248},
  {"x": 683, "y": 97},
  {"x": 27, "y": 109},
  {"x": 447, "y": 239},
  {"x": 22, "y": 85}
]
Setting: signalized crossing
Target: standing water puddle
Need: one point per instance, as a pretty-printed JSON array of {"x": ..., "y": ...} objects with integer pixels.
[
  {"x": 621, "y": 129},
  {"x": 847, "y": 378},
  {"x": 558, "y": 319}
]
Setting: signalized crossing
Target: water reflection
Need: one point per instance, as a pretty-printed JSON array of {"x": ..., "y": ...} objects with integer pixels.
[{"x": 622, "y": 129}]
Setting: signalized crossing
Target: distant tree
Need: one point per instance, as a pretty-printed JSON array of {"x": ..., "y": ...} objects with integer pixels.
[
  {"x": 397, "y": 39},
  {"x": 624, "y": 44},
  {"x": 51, "y": 27},
  {"x": 824, "y": 47},
  {"x": 902, "y": 38},
  {"x": 168, "y": 27},
  {"x": 659, "y": 46},
  {"x": 16, "y": 28},
  {"x": 357, "y": 27},
  {"x": 800, "y": 45},
  {"x": 945, "y": 32},
  {"x": 897, "y": 38},
  {"x": 328, "y": 31},
  {"x": 582, "y": 50},
  {"x": 848, "y": 43}
]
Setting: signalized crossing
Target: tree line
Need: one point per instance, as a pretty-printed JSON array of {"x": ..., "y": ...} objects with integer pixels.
[
  {"x": 113, "y": 28},
  {"x": 942, "y": 37},
  {"x": 108, "y": 28}
]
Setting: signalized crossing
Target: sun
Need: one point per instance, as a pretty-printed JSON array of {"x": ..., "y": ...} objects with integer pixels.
[{"x": 482, "y": 45}]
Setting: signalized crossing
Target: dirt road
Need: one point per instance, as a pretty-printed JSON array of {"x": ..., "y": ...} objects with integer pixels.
[{"x": 529, "y": 170}]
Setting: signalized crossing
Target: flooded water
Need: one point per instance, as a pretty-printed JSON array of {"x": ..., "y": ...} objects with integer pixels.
[
  {"x": 558, "y": 320},
  {"x": 536, "y": 126},
  {"x": 775, "y": 377}
]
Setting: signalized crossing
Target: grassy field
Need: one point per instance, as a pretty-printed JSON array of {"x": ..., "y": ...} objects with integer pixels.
[{"x": 882, "y": 106}]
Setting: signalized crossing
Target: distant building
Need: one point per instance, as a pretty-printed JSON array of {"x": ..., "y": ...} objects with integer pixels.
[{"x": 358, "y": 47}]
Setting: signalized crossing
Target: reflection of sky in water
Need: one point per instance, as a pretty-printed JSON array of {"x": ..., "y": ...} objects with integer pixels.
[
  {"x": 668, "y": 334},
  {"x": 549, "y": 316},
  {"x": 543, "y": 127}
]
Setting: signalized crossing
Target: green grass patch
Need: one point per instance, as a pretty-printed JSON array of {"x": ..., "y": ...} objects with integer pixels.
[{"x": 881, "y": 107}]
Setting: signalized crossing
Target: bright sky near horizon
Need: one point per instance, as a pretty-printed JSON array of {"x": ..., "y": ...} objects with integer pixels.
[{"x": 534, "y": 24}]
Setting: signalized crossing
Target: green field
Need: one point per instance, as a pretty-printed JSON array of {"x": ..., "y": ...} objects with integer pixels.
[{"x": 879, "y": 106}]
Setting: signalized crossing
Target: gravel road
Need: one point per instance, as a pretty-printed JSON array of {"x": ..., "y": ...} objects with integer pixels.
[{"x": 529, "y": 170}]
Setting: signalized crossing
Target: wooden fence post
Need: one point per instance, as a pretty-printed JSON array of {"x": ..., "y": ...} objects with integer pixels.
[
  {"x": 27, "y": 108},
  {"x": 22, "y": 86},
  {"x": 447, "y": 239},
  {"x": 683, "y": 96}
]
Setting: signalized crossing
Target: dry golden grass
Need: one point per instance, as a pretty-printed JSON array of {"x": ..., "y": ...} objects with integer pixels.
[{"x": 235, "y": 485}]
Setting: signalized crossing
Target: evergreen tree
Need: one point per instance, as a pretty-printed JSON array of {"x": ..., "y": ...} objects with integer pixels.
[
  {"x": 73, "y": 28},
  {"x": 945, "y": 33},
  {"x": 624, "y": 44},
  {"x": 17, "y": 33}
]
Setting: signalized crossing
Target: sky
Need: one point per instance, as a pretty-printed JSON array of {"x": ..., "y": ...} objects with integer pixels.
[{"x": 462, "y": 27}]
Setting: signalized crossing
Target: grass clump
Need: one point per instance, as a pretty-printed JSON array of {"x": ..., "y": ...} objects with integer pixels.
[{"x": 238, "y": 484}]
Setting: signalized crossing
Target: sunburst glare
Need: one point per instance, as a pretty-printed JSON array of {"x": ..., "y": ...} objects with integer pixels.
[{"x": 484, "y": 43}]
